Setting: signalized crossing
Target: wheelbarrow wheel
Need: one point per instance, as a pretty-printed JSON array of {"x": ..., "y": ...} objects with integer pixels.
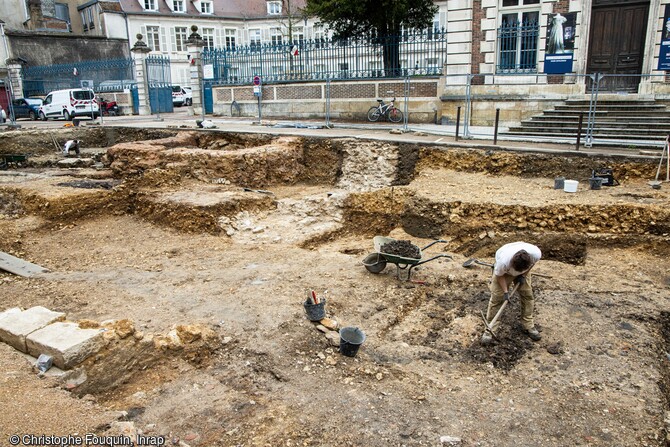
[{"x": 374, "y": 263}]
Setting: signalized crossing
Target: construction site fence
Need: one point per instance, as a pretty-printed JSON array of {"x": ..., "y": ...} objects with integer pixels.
[{"x": 490, "y": 105}]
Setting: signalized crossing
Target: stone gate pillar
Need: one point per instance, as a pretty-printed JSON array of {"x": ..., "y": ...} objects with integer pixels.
[
  {"x": 194, "y": 46},
  {"x": 14, "y": 67},
  {"x": 140, "y": 51}
]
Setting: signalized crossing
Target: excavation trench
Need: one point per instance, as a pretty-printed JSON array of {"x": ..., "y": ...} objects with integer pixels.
[{"x": 178, "y": 227}]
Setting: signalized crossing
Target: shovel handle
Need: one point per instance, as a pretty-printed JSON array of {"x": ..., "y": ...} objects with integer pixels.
[{"x": 489, "y": 326}]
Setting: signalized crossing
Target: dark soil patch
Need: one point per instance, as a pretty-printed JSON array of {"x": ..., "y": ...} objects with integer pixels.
[
  {"x": 403, "y": 249},
  {"x": 505, "y": 352},
  {"x": 91, "y": 184}
]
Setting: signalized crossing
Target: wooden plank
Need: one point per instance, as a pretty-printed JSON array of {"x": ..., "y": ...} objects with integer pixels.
[{"x": 19, "y": 266}]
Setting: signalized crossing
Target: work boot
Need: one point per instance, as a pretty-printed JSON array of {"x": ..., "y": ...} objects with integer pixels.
[
  {"x": 487, "y": 339},
  {"x": 534, "y": 334}
]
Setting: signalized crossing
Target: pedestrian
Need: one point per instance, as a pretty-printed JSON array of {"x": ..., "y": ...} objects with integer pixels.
[
  {"x": 71, "y": 145},
  {"x": 512, "y": 266}
]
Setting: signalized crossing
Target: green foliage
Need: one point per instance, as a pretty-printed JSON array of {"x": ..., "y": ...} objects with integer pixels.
[{"x": 347, "y": 18}]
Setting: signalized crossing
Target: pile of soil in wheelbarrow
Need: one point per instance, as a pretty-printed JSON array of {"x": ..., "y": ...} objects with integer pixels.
[{"x": 404, "y": 249}]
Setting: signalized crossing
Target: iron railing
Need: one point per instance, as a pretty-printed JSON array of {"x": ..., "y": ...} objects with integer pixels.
[
  {"x": 97, "y": 75},
  {"x": 416, "y": 53},
  {"x": 517, "y": 47}
]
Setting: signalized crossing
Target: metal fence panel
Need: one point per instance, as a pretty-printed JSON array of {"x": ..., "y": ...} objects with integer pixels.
[
  {"x": 40, "y": 80},
  {"x": 159, "y": 80},
  {"x": 416, "y": 53}
]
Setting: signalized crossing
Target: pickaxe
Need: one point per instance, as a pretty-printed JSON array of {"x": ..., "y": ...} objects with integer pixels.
[{"x": 489, "y": 326}]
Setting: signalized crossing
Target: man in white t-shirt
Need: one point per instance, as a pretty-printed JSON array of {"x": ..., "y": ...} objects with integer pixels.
[
  {"x": 71, "y": 145},
  {"x": 513, "y": 264}
]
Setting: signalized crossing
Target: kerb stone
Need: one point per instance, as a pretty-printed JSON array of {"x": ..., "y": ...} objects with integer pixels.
[
  {"x": 66, "y": 343},
  {"x": 12, "y": 311},
  {"x": 16, "y": 326}
]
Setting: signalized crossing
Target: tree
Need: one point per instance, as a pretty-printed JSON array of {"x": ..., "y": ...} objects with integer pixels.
[{"x": 384, "y": 19}]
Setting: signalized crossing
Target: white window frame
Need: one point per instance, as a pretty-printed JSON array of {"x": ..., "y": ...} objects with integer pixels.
[
  {"x": 274, "y": 8},
  {"x": 180, "y": 36},
  {"x": 522, "y": 7},
  {"x": 255, "y": 37},
  {"x": 276, "y": 36},
  {"x": 149, "y": 5},
  {"x": 206, "y": 7},
  {"x": 178, "y": 5},
  {"x": 298, "y": 34},
  {"x": 319, "y": 32},
  {"x": 154, "y": 42},
  {"x": 208, "y": 38},
  {"x": 230, "y": 38}
]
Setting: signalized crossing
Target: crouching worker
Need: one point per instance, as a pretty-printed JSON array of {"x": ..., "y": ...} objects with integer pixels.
[
  {"x": 512, "y": 265},
  {"x": 71, "y": 145}
]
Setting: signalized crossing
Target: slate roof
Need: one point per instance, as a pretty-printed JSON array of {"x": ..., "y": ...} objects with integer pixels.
[{"x": 242, "y": 9}]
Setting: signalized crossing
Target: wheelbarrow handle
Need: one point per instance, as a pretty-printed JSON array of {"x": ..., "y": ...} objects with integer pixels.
[{"x": 434, "y": 242}]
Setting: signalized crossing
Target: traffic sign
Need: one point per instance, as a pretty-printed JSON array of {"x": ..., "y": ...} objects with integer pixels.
[{"x": 257, "y": 80}]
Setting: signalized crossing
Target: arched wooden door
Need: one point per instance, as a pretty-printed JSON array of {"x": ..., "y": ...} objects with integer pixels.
[{"x": 616, "y": 43}]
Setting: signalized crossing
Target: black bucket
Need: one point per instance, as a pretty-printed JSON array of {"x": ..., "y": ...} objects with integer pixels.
[
  {"x": 596, "y": 182},
  {"x": 351, "y": 338},
  {"x": 559, "y": 182},
  {"x": 315, "y": 312}
]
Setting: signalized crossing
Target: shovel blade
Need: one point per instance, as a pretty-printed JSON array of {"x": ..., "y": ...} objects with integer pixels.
[{"x": 469, "y": 262}]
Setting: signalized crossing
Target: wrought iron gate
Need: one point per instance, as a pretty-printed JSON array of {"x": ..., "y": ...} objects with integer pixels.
[
  {"x": 160, "y": 84},
  {"x": 96, "y": 75}
]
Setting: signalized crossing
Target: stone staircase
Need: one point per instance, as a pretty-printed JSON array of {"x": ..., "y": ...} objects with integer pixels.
[{"x": 617, "y": 123}]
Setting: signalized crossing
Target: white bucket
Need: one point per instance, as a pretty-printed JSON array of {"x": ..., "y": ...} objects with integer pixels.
[{"x": 570, "y": 186}]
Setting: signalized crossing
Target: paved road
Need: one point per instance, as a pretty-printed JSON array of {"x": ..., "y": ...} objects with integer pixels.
[{"x": 480, "y": 137}]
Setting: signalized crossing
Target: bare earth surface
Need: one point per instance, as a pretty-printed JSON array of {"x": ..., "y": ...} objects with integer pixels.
[{"x": 178, "y": 241}]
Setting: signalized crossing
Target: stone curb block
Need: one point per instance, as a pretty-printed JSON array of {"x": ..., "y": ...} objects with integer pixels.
[
  {"x": 66, "y": 343},
  {"x": 16, "y": 326}
]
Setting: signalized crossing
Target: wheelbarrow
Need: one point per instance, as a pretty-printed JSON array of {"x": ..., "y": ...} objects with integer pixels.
[
  {"x": 376, "y": 262},
  {"x": 12, "y": 159}
]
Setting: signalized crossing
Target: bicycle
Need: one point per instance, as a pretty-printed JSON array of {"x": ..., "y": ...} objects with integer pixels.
[{"x": 388, "y": 110}]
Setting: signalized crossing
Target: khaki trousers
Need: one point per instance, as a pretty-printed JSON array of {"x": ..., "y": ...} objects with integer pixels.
[{"x": 525, "y": 292}]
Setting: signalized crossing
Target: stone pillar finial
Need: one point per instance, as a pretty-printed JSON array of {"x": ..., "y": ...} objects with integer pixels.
[
  {"x": 195, "y": 38},
  {"x": 140, "y": 46}
]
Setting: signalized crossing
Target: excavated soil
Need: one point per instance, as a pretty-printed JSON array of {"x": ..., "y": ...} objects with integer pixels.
[{"x": 196, "y": 250}]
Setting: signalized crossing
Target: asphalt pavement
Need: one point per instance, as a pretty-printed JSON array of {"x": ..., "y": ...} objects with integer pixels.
[{"x": 470, "y": 137}]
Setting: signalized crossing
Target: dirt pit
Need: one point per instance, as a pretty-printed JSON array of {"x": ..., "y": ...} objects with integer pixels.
[{"x": 230, "y": 232}]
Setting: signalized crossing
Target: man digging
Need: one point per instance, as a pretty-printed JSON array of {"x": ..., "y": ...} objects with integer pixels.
[
  {"x": 512, "y": 266},
  {"x": 71, "y": 146}
]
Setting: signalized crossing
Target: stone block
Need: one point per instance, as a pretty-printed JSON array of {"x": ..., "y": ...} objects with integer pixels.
[
  {"x": 67, "y": 343},
  {"x": 16, "y": 326},
  {"x": 12, "y": 311}
]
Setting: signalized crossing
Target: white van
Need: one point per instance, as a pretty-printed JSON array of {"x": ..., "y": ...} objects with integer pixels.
[
  {"x": 69, "y": 103},
  {"x": 188, "y": 95},
  {"x": 178, "y": 96}
]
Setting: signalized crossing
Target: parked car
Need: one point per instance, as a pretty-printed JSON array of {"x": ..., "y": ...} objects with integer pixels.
[
  {"x": 26, "y": 108},
  {"x": 188, "y": 93},
  {"x": 68, "y": 104},
  {"x": 178, "y": 96}
]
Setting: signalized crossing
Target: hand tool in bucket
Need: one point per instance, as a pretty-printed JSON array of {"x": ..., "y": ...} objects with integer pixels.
[
  {"x": 470, "y": 262},
  {"x": 376, "y": 262},
  {"x": 489, "y": 326}
]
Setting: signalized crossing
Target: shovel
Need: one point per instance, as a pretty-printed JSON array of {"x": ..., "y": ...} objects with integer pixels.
[
  {"x": 489, "y": 326},
  {"x": 471, "y": 261}
]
